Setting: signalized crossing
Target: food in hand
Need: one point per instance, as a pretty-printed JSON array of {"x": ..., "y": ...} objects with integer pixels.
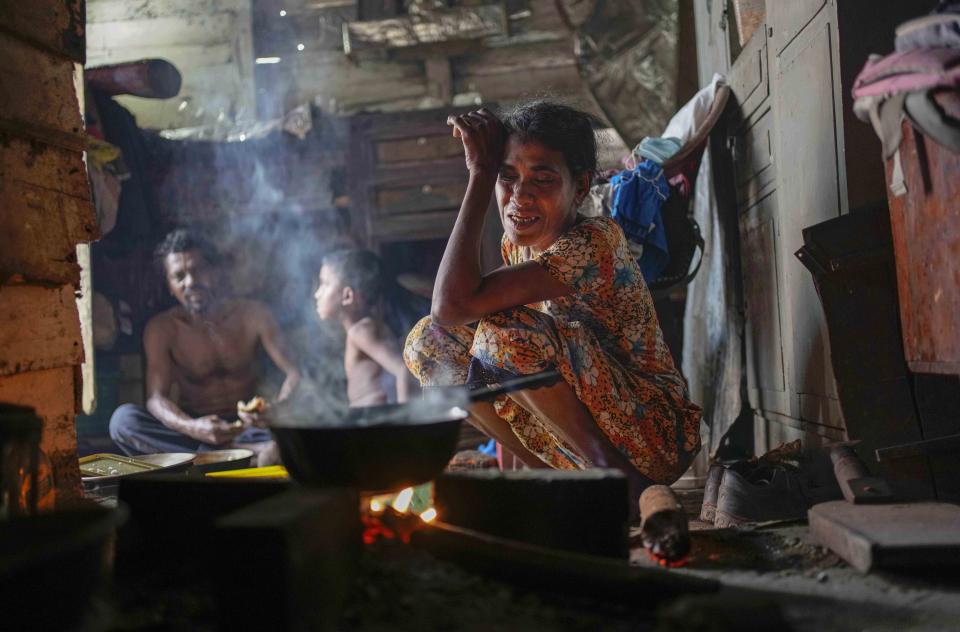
[{"x": 255, "y": 405}]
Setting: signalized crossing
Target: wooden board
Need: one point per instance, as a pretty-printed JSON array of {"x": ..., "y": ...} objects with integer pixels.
[
  {"x": 926, "y": 239},
  {"x": 41, "y": 328},
  {"x": 55, "y": 25},
  {"x": 416, "y": 31},
  {"x": 30, "y": 81},
  {"x": 905, "y": 536}
]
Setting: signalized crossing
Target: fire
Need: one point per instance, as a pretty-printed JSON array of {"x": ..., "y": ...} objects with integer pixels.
[
  {"x": 664, "y": 562},
  {"x": 396, "y": 516},
  {"x": 402, "y": 502}
]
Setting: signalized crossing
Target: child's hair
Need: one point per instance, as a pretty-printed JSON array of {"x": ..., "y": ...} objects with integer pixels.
[
  {"x": 184, "y": 240},
  {"x": 559, "y": 127},
  {"x": 358, "y": 269}
]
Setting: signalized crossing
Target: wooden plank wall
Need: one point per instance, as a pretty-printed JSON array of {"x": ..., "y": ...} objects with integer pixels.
[
  {"x": 209, "y": 41},
  {"x": 45, "y": 211}
]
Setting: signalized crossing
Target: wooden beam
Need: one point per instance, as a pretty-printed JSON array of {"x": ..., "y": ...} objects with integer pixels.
[
  {"x": 124, "y": 10},
  {"x": 161, "y": 32},
  {"x": 423, "y": 31}
]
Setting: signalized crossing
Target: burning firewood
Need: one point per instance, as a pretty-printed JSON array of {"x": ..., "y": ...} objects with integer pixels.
[{"x": 664, "y": 528}]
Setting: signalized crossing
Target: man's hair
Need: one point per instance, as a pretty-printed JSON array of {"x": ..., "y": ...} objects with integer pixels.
[
  {"x": 559, "y": 127},
  {"x": 358, "y": 269},
  {"x": 183, "y": 240}
]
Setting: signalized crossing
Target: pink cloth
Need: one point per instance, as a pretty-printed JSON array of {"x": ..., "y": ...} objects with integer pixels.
[{"x": 918, "y": 69}]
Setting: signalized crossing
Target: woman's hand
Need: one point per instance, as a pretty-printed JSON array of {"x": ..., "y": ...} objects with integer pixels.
[{"x": 483, "y": 137}]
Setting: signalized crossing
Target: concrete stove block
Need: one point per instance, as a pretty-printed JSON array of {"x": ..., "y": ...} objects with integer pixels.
[
  {"x": 289, "y": 561},
  {"x": 584, "y": 511}
]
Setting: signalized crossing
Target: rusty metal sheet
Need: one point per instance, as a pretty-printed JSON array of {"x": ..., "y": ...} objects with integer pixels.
[
  {"x": 926, "y": 238},
  {"x": 55, "y": 25}
]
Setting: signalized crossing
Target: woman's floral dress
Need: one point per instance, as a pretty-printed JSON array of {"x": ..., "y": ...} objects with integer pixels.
[{"x": 605, "y": 341}]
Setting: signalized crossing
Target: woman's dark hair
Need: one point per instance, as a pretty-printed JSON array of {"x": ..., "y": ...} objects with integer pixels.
[
  {"x": 183, "y": 240},
  {"x": 559, "y": 127},
  {"x": 358, "y": 269}
]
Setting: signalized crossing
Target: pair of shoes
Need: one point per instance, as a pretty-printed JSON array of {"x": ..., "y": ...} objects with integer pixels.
[
  {"x": 770, "y": 493},
  {"x": 711, "y": 489}
]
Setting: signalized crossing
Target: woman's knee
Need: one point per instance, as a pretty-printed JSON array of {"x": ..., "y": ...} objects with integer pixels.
[
  {"x": 417, "y": 347},
  {"x": 520, "y": 340},
  {"x": 437, "y": 355}
]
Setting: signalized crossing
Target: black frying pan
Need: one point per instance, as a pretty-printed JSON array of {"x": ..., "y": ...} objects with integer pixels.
[{"x": 384, "y": 448}]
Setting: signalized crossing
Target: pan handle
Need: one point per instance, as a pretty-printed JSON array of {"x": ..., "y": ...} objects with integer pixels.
[{"x": 534, "y": 380}]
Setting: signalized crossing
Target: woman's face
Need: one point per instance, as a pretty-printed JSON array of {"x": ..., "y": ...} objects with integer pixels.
[{"x": 537, "y": 195}]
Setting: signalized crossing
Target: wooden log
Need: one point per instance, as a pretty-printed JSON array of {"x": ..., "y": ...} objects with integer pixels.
[
  {"x": 41, "y": 329},
  {"x": 151, "y": 78},
  {"x": 584, "y": 511}
]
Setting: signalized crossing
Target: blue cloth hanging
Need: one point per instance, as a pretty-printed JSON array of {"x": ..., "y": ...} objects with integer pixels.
[{"x": 638, "y": 196}]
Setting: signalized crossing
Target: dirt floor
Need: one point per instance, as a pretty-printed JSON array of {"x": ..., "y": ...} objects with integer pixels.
[{"x": 814, "y": 589}]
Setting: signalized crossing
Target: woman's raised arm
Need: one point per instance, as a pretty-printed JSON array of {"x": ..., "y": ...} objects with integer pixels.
[{"x": 462, "y": 294}]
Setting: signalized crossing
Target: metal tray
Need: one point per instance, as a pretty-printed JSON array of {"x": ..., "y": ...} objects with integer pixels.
[{"x": 115, "y": 466}]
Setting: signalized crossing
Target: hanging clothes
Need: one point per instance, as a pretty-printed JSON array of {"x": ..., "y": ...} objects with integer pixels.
[
  {"x": 638, "y": 196},
  {"x": 659, "y": 150}
]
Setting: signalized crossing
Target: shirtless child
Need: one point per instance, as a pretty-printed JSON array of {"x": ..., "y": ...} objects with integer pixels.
[
  {"x": 206, "y": 346},
  {"x": 351, "y": 285}
]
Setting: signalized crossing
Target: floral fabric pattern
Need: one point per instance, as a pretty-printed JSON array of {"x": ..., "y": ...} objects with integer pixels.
[{"x": 605, "y": 341}]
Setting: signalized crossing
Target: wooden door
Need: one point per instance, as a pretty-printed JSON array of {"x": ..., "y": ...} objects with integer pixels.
[{"x": 810, "y": 190}]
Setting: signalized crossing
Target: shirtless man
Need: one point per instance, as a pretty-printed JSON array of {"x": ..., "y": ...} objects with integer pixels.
[
  {"x": 349, "y": 292},
  {"x": 206, "y": 346}
]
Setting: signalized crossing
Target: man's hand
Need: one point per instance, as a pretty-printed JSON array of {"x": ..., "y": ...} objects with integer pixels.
[
  {"x": 483, "y": 137},
  {"x": 257, "y": 420},
  {"x": 214, "y": 430}
]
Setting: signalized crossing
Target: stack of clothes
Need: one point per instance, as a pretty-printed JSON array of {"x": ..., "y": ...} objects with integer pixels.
[{"x": 919, "y": 80}]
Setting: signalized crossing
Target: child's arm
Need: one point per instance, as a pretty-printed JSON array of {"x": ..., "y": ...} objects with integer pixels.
[{"x": 384, "y": 350}]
